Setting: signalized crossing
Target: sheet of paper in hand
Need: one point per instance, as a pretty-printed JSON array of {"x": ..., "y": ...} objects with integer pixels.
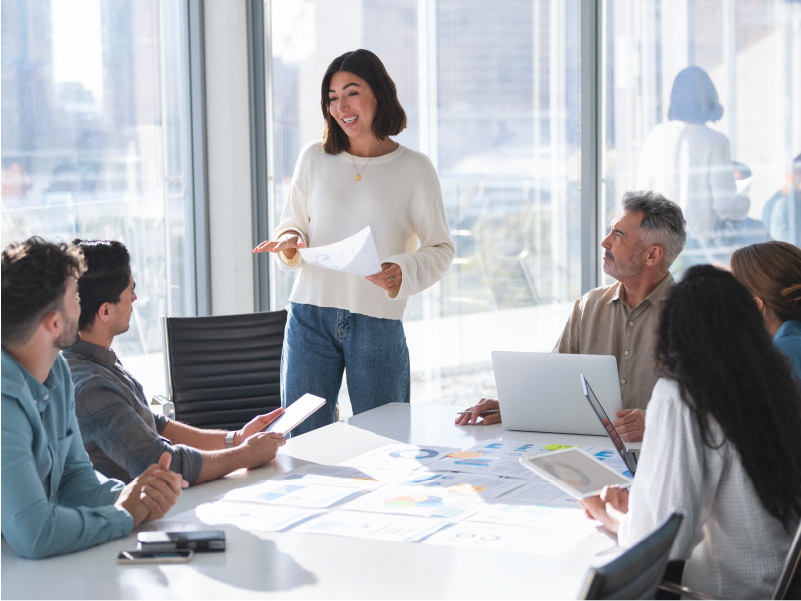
[{"x": 356, "y": 254}]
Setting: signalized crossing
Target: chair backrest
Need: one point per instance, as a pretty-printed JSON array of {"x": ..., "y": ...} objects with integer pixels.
[
  {"x": 224, "y": 370},
  {"x": 789, "y": 584},
  {"x": 636, "y": 573}
]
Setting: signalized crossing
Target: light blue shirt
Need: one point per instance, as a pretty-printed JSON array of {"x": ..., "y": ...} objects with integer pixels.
[
  {"x": 53, "y": 500},
  {"x": 788, "y": 341}
]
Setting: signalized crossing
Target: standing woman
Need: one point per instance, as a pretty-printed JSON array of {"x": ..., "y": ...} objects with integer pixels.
[
  {"x": 772, "y": 273},
  {"x": 722, "y": 443},
  {"x": 357, "y": 176}
]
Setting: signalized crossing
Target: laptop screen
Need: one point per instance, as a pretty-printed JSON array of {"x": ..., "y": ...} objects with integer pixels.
[{"x": 607, "y": 424}]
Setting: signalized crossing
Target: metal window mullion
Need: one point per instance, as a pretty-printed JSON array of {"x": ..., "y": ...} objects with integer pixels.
[
  {"x": 200, "y": 236},
  {"x": 590, "y": 104},
  {"x": 256, "y": 25}
]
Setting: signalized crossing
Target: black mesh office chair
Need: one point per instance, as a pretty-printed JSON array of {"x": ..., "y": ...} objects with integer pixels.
[
  {"x": 637, "y": 573},
  {"x": 223, "y": 370}
]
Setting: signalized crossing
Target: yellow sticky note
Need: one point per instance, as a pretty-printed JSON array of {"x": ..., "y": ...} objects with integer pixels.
[{"x": 557, "y": 447}]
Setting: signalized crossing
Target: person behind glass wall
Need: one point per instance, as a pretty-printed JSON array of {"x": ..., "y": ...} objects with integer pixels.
[
  {"x": 722, "y": 446},
  {"x": 691, "y": 164},
  {"x": 355, "y": 177},
  {"x": 782, "y": 212},
  {"x": 772, "y": 273}
]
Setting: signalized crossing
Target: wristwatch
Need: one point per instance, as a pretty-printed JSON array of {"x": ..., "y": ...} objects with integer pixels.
[{"x": 229, "y": 439}]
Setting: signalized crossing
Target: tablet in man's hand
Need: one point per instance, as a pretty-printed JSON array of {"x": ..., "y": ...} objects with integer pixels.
[{"x": 295, "y": 414}]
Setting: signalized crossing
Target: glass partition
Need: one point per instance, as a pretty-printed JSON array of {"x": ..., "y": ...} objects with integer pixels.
[
  {"x": 736, "y": 170},
  {"x": 95, "y": 143}
]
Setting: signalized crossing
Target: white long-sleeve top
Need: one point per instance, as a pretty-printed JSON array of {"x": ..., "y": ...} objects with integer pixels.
[
  {"x": 734, "y": 548},
  {"x": 399, "y": 197},
  {"x": 690, "y": 164}
]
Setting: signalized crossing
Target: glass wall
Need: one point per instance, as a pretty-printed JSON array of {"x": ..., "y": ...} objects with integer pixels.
[
  {"x": 95, "y": 141},
  {"x": 491, "y": 90},
  {"x": 737, "y": 173}
]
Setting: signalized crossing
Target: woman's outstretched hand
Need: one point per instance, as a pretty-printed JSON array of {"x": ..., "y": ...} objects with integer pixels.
[{"x": 288, "y": 244}]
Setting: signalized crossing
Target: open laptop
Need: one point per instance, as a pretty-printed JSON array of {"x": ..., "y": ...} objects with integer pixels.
[
  {"x": 541, "y": 392},
  {"x": 629, "y": 457}
]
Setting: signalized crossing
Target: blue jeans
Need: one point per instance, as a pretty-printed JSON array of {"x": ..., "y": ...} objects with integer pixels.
[{"x": 321, "y": 342}]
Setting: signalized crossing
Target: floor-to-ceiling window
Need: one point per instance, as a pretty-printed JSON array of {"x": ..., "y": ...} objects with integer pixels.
[
  {"x": 96, "y": 142},
  {"x": 491, "y": 90},
  {"x": 750, "y": 53}
]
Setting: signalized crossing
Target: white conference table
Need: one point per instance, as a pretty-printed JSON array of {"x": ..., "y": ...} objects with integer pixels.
[{"x": 292, "y": 565}]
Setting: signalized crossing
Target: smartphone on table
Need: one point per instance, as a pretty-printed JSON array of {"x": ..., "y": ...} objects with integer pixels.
[
  {"x": 138, "y": 556},
  {"x": 194, "y": 540}
]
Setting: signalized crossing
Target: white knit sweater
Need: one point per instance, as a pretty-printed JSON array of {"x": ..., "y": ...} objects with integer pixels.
[{"x": 399, "y": 197}]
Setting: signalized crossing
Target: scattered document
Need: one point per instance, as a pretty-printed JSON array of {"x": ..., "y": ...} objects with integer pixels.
[
  {"x": 509, "y": 449},
  {"x": 402, "y": 457},
  {"x": 251, "y": 517},
  {"x": 289, "y": 493},
  {"x": 507, "y": 538},
  {"x": 366, "y": 478},
  {"x": 540, "y": 492},
  {"x": 373, "y": 526},
  {"x": 485, "y": 487},
  {"x": 356, "y": 254},
  {"x": 418, "y": 501},
  {"x": 536, "y": 516},
  {"x": 462, "y": 461}
]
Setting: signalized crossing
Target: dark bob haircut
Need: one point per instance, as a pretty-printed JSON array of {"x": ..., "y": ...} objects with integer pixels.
[
  {"x": 107, "y": 275},
  {"x": 34, "y": 278},
  {"x": 694, "y": 97},
  {"x": 390, "y": 118}
]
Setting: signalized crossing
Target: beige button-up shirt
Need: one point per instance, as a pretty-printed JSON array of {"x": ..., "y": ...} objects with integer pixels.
[{"x": 603, "y": 324}]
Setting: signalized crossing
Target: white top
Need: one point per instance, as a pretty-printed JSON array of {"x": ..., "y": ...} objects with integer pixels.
[
  {"x": 690, "y": 164},
  {"x": 399, "y": 197},
  {"x": 734, "y": 548}
]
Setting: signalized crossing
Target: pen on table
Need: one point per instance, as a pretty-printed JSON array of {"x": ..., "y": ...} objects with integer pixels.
[{"x": 485, "y": 412}]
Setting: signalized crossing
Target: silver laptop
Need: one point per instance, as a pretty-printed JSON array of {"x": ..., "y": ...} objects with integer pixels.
[
  {"x": 628, "y": 456},
  {"x": 542, "y": 392}
]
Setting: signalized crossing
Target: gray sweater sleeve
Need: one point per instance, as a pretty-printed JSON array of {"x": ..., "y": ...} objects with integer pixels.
[{"x": 109, "y": 422}]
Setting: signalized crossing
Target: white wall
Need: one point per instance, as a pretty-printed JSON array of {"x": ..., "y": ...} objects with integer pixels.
[{"x": 228, "y": 131}]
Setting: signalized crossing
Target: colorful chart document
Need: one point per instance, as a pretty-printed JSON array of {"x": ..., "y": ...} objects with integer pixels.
[
  {"x": 356, "y": 254},
  {"x": 373, "y": 526},
  {"x": 475, "y": 463},
  {"x": 484, "y": 487},
  {"x": 419, "y": 501},
  {"x": 290, "y": 493},
  {"x": 402, "y": 457}
]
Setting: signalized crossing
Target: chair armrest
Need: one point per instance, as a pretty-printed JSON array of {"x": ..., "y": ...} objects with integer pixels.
[
  {"x": 683, "y": 591},
  {"x": 161, "y": 404}
]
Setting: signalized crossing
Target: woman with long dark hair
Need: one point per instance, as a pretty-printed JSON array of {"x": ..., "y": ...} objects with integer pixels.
[
  {"x": 722, "y": 444},
  {"x": 772, "y": 273},
  {"x": 357, "y": 176}
]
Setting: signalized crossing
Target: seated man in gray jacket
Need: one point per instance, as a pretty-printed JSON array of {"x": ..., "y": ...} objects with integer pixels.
[{"x": 121, "y": 434}]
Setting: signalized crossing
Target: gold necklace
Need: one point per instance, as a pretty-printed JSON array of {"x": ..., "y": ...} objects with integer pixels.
[{"x": 358, "y": 177}]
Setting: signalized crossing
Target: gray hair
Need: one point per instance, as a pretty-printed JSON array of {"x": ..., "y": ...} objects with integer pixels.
[{"x": 662, "y": 223}]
